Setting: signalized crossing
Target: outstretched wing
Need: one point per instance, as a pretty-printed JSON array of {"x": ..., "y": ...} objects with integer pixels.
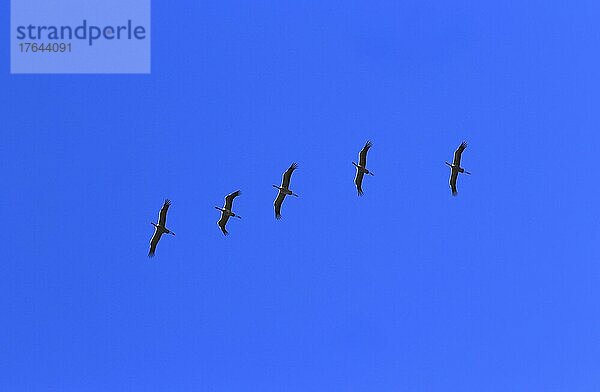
[
  {"x": 458, "y": 153},
  {"x": 162, "y": 216},
  {"x": 358, "y": 181},
  {"x": 362, "y": 157},
  {"x": 285, "y": 181},
  {"x": 453, "y": 177},
  {"x": 222, "y": 222},
  {"x": 278, "y": 202},
  {"x": 229, "y": 199},
  {"x": 154, "y": 242}
]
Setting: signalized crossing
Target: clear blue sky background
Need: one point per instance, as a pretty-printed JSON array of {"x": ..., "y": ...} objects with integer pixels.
[{"x": 405, "y": 289}]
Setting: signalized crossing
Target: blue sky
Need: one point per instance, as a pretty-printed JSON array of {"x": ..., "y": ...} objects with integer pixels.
[{"x": 404, "y": 289}]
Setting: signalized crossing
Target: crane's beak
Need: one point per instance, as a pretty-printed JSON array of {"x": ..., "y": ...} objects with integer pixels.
[{"x": 448, "y": 164}]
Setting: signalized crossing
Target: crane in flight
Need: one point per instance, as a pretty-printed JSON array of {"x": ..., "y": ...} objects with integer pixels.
[
  {"x": 455, "y": 167},
  {"x": 160, "y": 228},
  {"x": 284, "y": 189},
  {"x": 361, "y": 168},
  {"x": 226, "y": 211}
]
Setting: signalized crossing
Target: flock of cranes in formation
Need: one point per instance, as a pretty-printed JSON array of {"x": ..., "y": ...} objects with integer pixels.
[{"x": 284, "y": 190}]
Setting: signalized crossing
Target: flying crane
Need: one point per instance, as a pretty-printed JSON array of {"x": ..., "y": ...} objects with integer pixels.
[
  {"x": 160, "y": 228},
  {"x": 361, "y": 168},
  {"x": 455, "y": 167},
  {"x": 226, "y": 211},
  {"x": 284, "y": 189}
]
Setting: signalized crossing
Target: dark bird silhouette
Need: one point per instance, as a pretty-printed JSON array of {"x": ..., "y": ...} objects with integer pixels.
[
  {"x": 160, "y": 228},
  {"x": 455, "y": 167},
  {"x": 361, "y": 168},
  {"x": 284, "y": 189},
  {"x": 226, "y": 211}
]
